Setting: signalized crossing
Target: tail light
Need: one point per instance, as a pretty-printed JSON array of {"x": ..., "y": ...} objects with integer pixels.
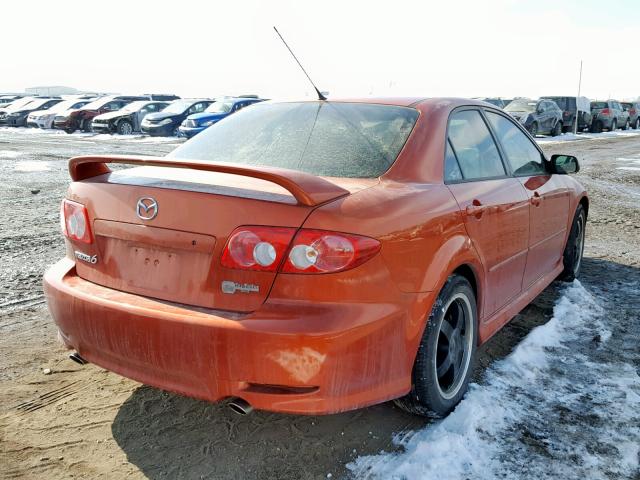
[
  {"x": 257, "y": 248},
  {"x": 311, "y": 251},
  {"x": 320, "y": 251},
  {"x": 604, "y": 111},
  {"x": 75, "y": 221}
]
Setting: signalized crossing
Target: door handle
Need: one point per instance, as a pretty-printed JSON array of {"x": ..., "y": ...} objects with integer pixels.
[
  {"x": 476, "y": 209},
  {"x": 536, "y": 199}
]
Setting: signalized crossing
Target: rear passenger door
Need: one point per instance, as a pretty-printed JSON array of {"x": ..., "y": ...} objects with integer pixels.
[
  {"x": 548, "y": 198},
  {"x": 494, "y": 206}
]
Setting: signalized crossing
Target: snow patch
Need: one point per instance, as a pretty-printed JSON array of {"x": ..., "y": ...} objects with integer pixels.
[
  {"x": 9, "y": 154},
  {"x": 31, "y": 166},
  {"x": 545, "y": 411}
]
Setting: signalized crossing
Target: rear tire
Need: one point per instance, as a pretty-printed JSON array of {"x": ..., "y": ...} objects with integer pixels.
[
  {"x": 533, "y": 129},
  {"x": 626, "y": 125},
  {"x": 596, "y": 127},
  {"x": 636, "y": 124},
  {"x": 557, "y": 130},
  {"x": 573, "y": 251},
  {"x": 614, "y": 125},
  {"x": 446, "y": 354}
]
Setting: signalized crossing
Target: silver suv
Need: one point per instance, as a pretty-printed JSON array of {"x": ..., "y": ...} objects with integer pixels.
[{"x": 609, "y": 115}]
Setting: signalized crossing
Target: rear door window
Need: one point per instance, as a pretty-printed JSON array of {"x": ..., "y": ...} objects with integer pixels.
[
  {"x": 473, "y": 146},
  {"x": 522, "y": 154},
  {"x": 452, "y": 171}
]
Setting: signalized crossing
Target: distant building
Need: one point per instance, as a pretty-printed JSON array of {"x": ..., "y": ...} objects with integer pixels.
[{"x": 52, "y": 91}]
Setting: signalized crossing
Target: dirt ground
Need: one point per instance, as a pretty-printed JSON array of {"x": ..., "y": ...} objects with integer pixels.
[{"x": 84, "y": 422}]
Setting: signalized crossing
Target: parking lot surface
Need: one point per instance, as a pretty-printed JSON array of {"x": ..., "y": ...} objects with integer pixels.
[{"x": 61, "y": 420}]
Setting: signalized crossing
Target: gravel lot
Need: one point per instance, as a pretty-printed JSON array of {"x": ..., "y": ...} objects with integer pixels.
[{"x": 84, "y": 422}]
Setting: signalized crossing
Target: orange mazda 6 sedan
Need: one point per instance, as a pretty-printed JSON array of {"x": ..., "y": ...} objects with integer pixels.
[{"x": 318, "y": 256}]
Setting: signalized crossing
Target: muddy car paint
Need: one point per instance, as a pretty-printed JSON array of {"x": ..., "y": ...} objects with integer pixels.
[{"x": 301, "y": 342}]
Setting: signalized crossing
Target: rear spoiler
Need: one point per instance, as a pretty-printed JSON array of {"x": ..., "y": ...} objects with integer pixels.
[{"x": 308, "y": 190}]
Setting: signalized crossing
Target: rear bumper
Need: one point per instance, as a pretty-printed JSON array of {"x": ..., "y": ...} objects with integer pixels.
[{"x": 294, "y": 357}]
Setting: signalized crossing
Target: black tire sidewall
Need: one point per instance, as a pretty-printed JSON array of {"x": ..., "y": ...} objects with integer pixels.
[
  {"x": 568, "y": 258},
  {"x": 425, "y": 389}
]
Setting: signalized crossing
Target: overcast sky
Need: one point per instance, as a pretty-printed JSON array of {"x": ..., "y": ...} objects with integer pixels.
[{"x": 446, "y": 48}]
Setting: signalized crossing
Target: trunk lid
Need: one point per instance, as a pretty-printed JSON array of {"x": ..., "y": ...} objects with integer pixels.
[{"x": 175, "y": 254}]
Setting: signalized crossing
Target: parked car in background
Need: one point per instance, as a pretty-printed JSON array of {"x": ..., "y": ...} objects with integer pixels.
[
  {"x": 5, "y": 100},
  {"x": 17, "y": 116},
  {"x": 573, "y": 108},
  {"x": 16, "y": 104},
  {"x": 538, "y": 116},
  {"x": 373, "y": 272},
  {"x": 126, "y": 120},
  {"x": 44, "y": 118},
  {"x": 82, "y": 118},
  {"x": 498, "y": 102},
  {"x": 215, "y": 112},
  {"x": 167, "y": 122},
  {"x": 162, "y": 97},
  {"x": 633, "y": 108},
  {"x": 608, "y": 114}
]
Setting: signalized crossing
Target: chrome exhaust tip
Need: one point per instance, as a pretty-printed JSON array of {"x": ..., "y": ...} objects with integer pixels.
[
  {"x": 75, "y": 356},
  {"x": 240, "y": 406}
]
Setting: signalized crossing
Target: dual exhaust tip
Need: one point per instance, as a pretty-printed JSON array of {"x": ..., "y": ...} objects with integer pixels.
[{"x": 238, "y": 405}]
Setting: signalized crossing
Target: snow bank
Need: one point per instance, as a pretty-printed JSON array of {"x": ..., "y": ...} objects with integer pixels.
[
  {"x": 532, "y": 417},
  {"x": 570, "y": 137}
]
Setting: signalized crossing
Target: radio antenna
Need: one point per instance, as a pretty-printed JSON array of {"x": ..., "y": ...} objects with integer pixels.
[{"x": 320, "y": 95}]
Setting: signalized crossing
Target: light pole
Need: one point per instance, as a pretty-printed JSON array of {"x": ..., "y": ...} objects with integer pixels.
[{"x": 575, "y": 126}]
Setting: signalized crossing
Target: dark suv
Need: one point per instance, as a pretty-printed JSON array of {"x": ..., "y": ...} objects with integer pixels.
[
  {"x": 608, "y": 114},
  {"x": 572, "y": 108},
  {"x": 633, "y": 108},
  {"x": 537, "y": 116}
]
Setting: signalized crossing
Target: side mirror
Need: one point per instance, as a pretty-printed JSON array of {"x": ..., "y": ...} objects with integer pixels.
[{"x": 564, "y": 164}]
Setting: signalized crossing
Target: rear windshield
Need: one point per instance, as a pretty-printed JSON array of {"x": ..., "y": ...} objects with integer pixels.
[
  {"x": 598, "y": 104},
  {"x": 521, "y": 106},
  {"x": 565, "y": 103},
  {"x": 322, "y": 138}
]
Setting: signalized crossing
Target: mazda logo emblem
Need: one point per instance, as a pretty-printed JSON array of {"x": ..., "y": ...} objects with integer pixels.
[{"x": 147, "y": 208}]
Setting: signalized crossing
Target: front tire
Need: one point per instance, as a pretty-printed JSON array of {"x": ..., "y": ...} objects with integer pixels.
[
  {"x": 636, "y": 124},
  {"x": 573, "y": 251},
  {"x": 86, "y": 126},
  {"x": 125, "y": 127},
  {"x": 446, "y": 354},
  {"x": 626, "y": 125},
  {"x": 533, "y": 129},
  {"x": 614, "y": 125}
]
